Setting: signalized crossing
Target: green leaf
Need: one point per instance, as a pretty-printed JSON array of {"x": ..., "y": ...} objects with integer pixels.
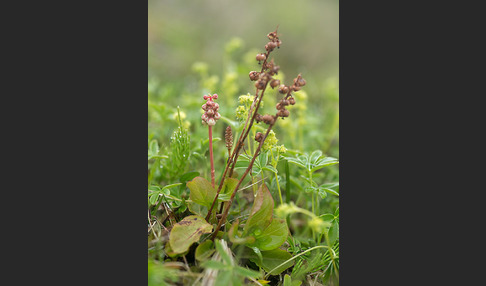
[
  {"x": 332, "y": 188},
  {"x": 287, "y": 280},
  {"x": 327, "y": 217},
  {"x": 187, "y": 232},
  {"x": 328, "y": 161},
  {"x": 331, "y": 191},
  {"x": 322, "y": 193},
  {"x": 165, "y": 190},
  {"x": 313, "y": 162},
  {"x": 258, "y": 254},
  {"x": 229, "y": 185},
  {"x": 224, "y": 197},
  {"x": 333, "y": 233},
  {"x": 204, "y": 250},
  {"x": 153, "y": 198},
  {"x": 197, "y": 209},
  {"x": 153, "y": 148},
  {"x": 273, "y": 236},
  {"x": 272, "y": 259},
  {"x": 270, "y": 168},
  {"x": 224, "y": 278},
  {"x": 201, "y": 191},
  {"x": 261, "y": 212},
  {"x": 296, "y": 162},
  {"x": 235, "y": 238},
  {"x": 246, "y": 272},
  {"x": 154, "y": 188},
  {"x": 310, "y": 189},
  {"x": 315, "y": 156},
  {"x": 188, "y": 176}
]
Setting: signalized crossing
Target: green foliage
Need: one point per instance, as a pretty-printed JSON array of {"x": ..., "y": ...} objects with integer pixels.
[
  {"x": 272, "y": 260},
  {"x": 179, "y": 153},
  {"x": 159, "y": 274},
  {"x": 273, "y": 236},
  {"x": 201, "y": 191},
  {"x": 312, "y": 162},
  {"x": 261, "y": 212},
  {"x": 204, "y": 250},
  {"x": 297, "y": 243},
  {"x": 187, "y": 232},
  {"x": 229, "y": 274}
]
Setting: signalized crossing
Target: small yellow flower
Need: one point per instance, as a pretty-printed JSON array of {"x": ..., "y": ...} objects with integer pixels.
[
  {"x": 241, "y": 112},
  {"x": 318, "y": 225},
  {"x": 270, "y": 142},
  {"x": 281, "y": 149}
]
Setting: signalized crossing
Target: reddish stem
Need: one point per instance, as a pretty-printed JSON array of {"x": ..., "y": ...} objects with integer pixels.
[
  {"x": 250, "y": 166},
  {"x": 246, "y": 129},
  {"x": 211, "y": 153}
]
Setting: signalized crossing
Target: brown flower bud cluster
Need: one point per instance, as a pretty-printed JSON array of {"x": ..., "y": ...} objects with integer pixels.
[
  {"x": 254, "y": 75},
  {"x": 274, "y": 42},
  {"x": 269, "y": 68},
  {"x": 263, "y": 78},
  {"x": 288, "y": 99},
  {"x": 281, "y": 110},
  {"x": 211, "y": 114},
  {"x": 298, "y": 83},
  {"x": 259, "y": 137}
]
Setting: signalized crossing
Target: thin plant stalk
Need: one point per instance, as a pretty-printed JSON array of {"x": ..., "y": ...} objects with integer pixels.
[
  {"x": 210, "y": 128},
  {"x": 244, "y": 133},
  {"x": 234, "y": 156},
  {"x": 250, "y": 166}
]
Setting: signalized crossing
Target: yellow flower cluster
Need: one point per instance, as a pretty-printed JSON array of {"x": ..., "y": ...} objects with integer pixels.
[
  {"x": 270, "y": 142},
  {"x": 284, "y": 210},
  {"x": 281, "y": 149},
  {"x": 245, "y": 101},
  {"x": 241, "y": 113},
  {"x": 318, "y": 225}
]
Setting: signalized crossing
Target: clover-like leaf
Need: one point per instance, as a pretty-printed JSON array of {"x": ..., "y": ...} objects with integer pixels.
[
  {"x": 312, "y": 162},
  {"x": 327, "y": 161},
  {"x": 270, "y": 168}
]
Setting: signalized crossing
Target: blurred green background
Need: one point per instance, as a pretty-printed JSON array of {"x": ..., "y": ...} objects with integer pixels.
[{"x": 197, "y": 47}]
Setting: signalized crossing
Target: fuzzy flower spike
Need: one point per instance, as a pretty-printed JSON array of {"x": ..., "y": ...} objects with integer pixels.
[{"x": 211, "y": 114}]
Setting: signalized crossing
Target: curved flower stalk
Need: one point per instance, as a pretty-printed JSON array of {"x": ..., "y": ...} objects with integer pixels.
[{"x": 262, "y": 79}]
